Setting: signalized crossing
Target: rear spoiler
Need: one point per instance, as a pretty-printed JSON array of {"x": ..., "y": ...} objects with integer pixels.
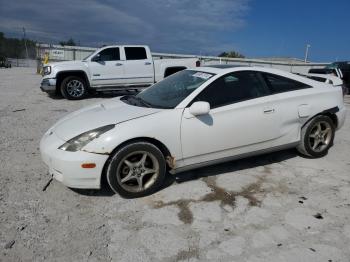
[
  {"x": 328, "y": 79},
  {"x": 327, "y": 71}
]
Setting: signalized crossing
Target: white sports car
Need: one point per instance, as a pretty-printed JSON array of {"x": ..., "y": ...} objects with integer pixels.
[{"x": 191, "y": 119}]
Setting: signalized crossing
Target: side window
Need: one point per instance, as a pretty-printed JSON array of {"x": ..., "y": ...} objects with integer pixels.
[
  {"x": 233, "y": 88},
  {"x": 280, "y": 84},
  {"x": 110, "y": 54},
  {"x": 347, "y": 67},
  {"x": 135, "y": 53}
]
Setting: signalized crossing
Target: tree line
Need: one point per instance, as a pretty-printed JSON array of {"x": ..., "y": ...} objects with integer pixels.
[{"x": 15, "y": 48}]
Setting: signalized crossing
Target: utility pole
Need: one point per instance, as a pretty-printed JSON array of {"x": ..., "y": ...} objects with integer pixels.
[
  {"x": 307, "y": 52},
  {"x": 25, "y": 41}
]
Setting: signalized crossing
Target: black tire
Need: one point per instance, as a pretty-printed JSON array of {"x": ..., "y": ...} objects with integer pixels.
[
  {"x": 118, "y": 170},
  {"x": 308, "y": 141},
  {"x": 74, "y": 88}
]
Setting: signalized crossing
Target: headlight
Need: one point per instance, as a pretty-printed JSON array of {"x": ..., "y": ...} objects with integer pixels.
[
  {"x": 78, "y": 142},
  {"x": 47, "y": 70}
]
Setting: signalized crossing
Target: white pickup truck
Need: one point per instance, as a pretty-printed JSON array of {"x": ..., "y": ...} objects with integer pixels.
[{"x": 116, "y": 67}]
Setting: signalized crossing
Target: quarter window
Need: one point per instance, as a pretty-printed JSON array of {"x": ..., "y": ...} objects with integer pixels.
[
  {"x": 110, "y": 54},
  {"x": 233, "y": 88},
  {"x": 135, "y": 53},
  {"x": 280, "y": 84}
]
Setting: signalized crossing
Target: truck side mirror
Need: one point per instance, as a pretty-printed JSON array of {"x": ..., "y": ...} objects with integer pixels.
[{"x": 96, "y": 58}]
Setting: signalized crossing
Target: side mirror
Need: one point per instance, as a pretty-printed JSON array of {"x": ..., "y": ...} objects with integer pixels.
[
  {"x": 199, "y": 108},
  {"x": 96, "y": 58}
]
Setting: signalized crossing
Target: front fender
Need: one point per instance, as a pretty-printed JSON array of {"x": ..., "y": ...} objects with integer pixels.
[{"x": 163, "y": 127}]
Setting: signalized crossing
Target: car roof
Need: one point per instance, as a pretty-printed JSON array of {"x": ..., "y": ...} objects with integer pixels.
[{"x": 226, "y": 70}]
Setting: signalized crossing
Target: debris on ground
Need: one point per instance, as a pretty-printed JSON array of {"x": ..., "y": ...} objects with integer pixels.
[
  {"x": 47, "y": 184},
  {"x": 19, "y": 110},
  {"x": 10, "y": 244},
  {"x": 318, "y": 216}
]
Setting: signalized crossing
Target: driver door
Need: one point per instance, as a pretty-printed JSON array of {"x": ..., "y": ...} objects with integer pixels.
[
  {"x": 242, "y": 119},
  {"x": 106, "y": 68}
]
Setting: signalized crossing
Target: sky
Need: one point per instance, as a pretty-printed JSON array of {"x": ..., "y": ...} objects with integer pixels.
[{"x": 255, "y": 28}]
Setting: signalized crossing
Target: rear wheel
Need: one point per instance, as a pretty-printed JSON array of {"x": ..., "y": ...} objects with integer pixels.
[
  {"x": 136, "y": 170},
  {"x": 317, "y": 137},
  {"x": 74, "y": 88}
]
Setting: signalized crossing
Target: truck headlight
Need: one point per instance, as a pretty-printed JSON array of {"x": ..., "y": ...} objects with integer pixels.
[
  {"x": 78, "y": 142},
  {"x": 47, "y": 70}
]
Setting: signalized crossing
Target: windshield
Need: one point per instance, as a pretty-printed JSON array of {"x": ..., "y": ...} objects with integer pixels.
[{"x": 169, "y": 92}]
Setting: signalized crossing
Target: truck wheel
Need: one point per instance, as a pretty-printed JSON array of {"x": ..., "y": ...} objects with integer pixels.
[
  {"x": 317, "y": 137},
  {"x": 74, "y": 88}
]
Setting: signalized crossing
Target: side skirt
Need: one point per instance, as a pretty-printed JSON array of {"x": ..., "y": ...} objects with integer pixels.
[{"x": 231, "y": 158}]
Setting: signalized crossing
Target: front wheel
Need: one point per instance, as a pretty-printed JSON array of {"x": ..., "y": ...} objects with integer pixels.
[
  {"x": 136, "y": 170},
  {"x": 317, "y": 137},
  {"x": 74, "y": 88}
]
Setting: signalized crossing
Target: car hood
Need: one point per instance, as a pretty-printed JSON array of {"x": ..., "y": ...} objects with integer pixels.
[
  {"x": 66, "y": 63},
  {"x": 108, "y": 112}
]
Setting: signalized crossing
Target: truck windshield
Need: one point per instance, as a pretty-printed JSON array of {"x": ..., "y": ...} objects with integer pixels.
[
  {"x": 169, "y": 92},
  {"x": 88, "y": 56}
]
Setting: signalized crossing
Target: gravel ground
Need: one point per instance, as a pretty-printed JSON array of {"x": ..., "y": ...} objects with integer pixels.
[{"x": 276, "y": 207}]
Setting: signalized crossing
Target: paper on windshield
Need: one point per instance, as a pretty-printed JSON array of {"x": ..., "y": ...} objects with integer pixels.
[{"x": 202, "y": 75}]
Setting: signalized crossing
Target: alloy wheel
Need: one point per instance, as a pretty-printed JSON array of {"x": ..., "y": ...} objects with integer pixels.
[
  {"x": 137, "y": 171},
  {"x": 320, "y": 136},
  {"x": 75, "y": 88}
]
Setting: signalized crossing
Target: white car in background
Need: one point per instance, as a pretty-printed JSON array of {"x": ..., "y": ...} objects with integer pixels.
[{"x": 191, "y": 119}]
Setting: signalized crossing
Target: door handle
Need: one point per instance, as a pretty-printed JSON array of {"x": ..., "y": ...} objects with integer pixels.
[
  {"x": 118, "y": 64},
  {"x": 148, "y": 63},
  {"x": 269, "y": 110}
]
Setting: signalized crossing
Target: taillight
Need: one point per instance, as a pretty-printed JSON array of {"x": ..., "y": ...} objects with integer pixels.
[{"x": 198, "y": 63}]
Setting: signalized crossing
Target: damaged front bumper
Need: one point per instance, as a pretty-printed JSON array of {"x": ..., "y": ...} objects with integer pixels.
[{"x": 66, "y": 167}]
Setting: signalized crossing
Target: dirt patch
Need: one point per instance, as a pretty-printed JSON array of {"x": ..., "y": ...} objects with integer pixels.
[
  {"x": 185, "y": 214},
  {"x": 187, "y": 254},
  {"x": 218, "y": 193},
  {"x": 229, "y": 198},
  {"x": 250, "y": 191},
  {"x": 59, "y": 110}
]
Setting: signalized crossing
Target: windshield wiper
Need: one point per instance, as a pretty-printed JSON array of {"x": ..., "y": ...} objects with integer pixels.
[
  {"x": 151, "y": 105},
  {"x": 135, "y": 101},
  {"x": 142, "y": 101},
  {"x": 138, "y": 101}
]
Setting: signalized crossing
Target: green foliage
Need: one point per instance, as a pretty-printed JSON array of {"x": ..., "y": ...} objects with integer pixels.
[
  {"x": 15, "y": 48},
  {"x": 231, "y": 54},
  {"x": 70, "y": 42}
]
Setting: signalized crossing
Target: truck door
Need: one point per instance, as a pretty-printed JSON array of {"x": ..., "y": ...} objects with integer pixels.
[
  {"x": 138, "y": 66},
  {"x": 106, "y": 68}
]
